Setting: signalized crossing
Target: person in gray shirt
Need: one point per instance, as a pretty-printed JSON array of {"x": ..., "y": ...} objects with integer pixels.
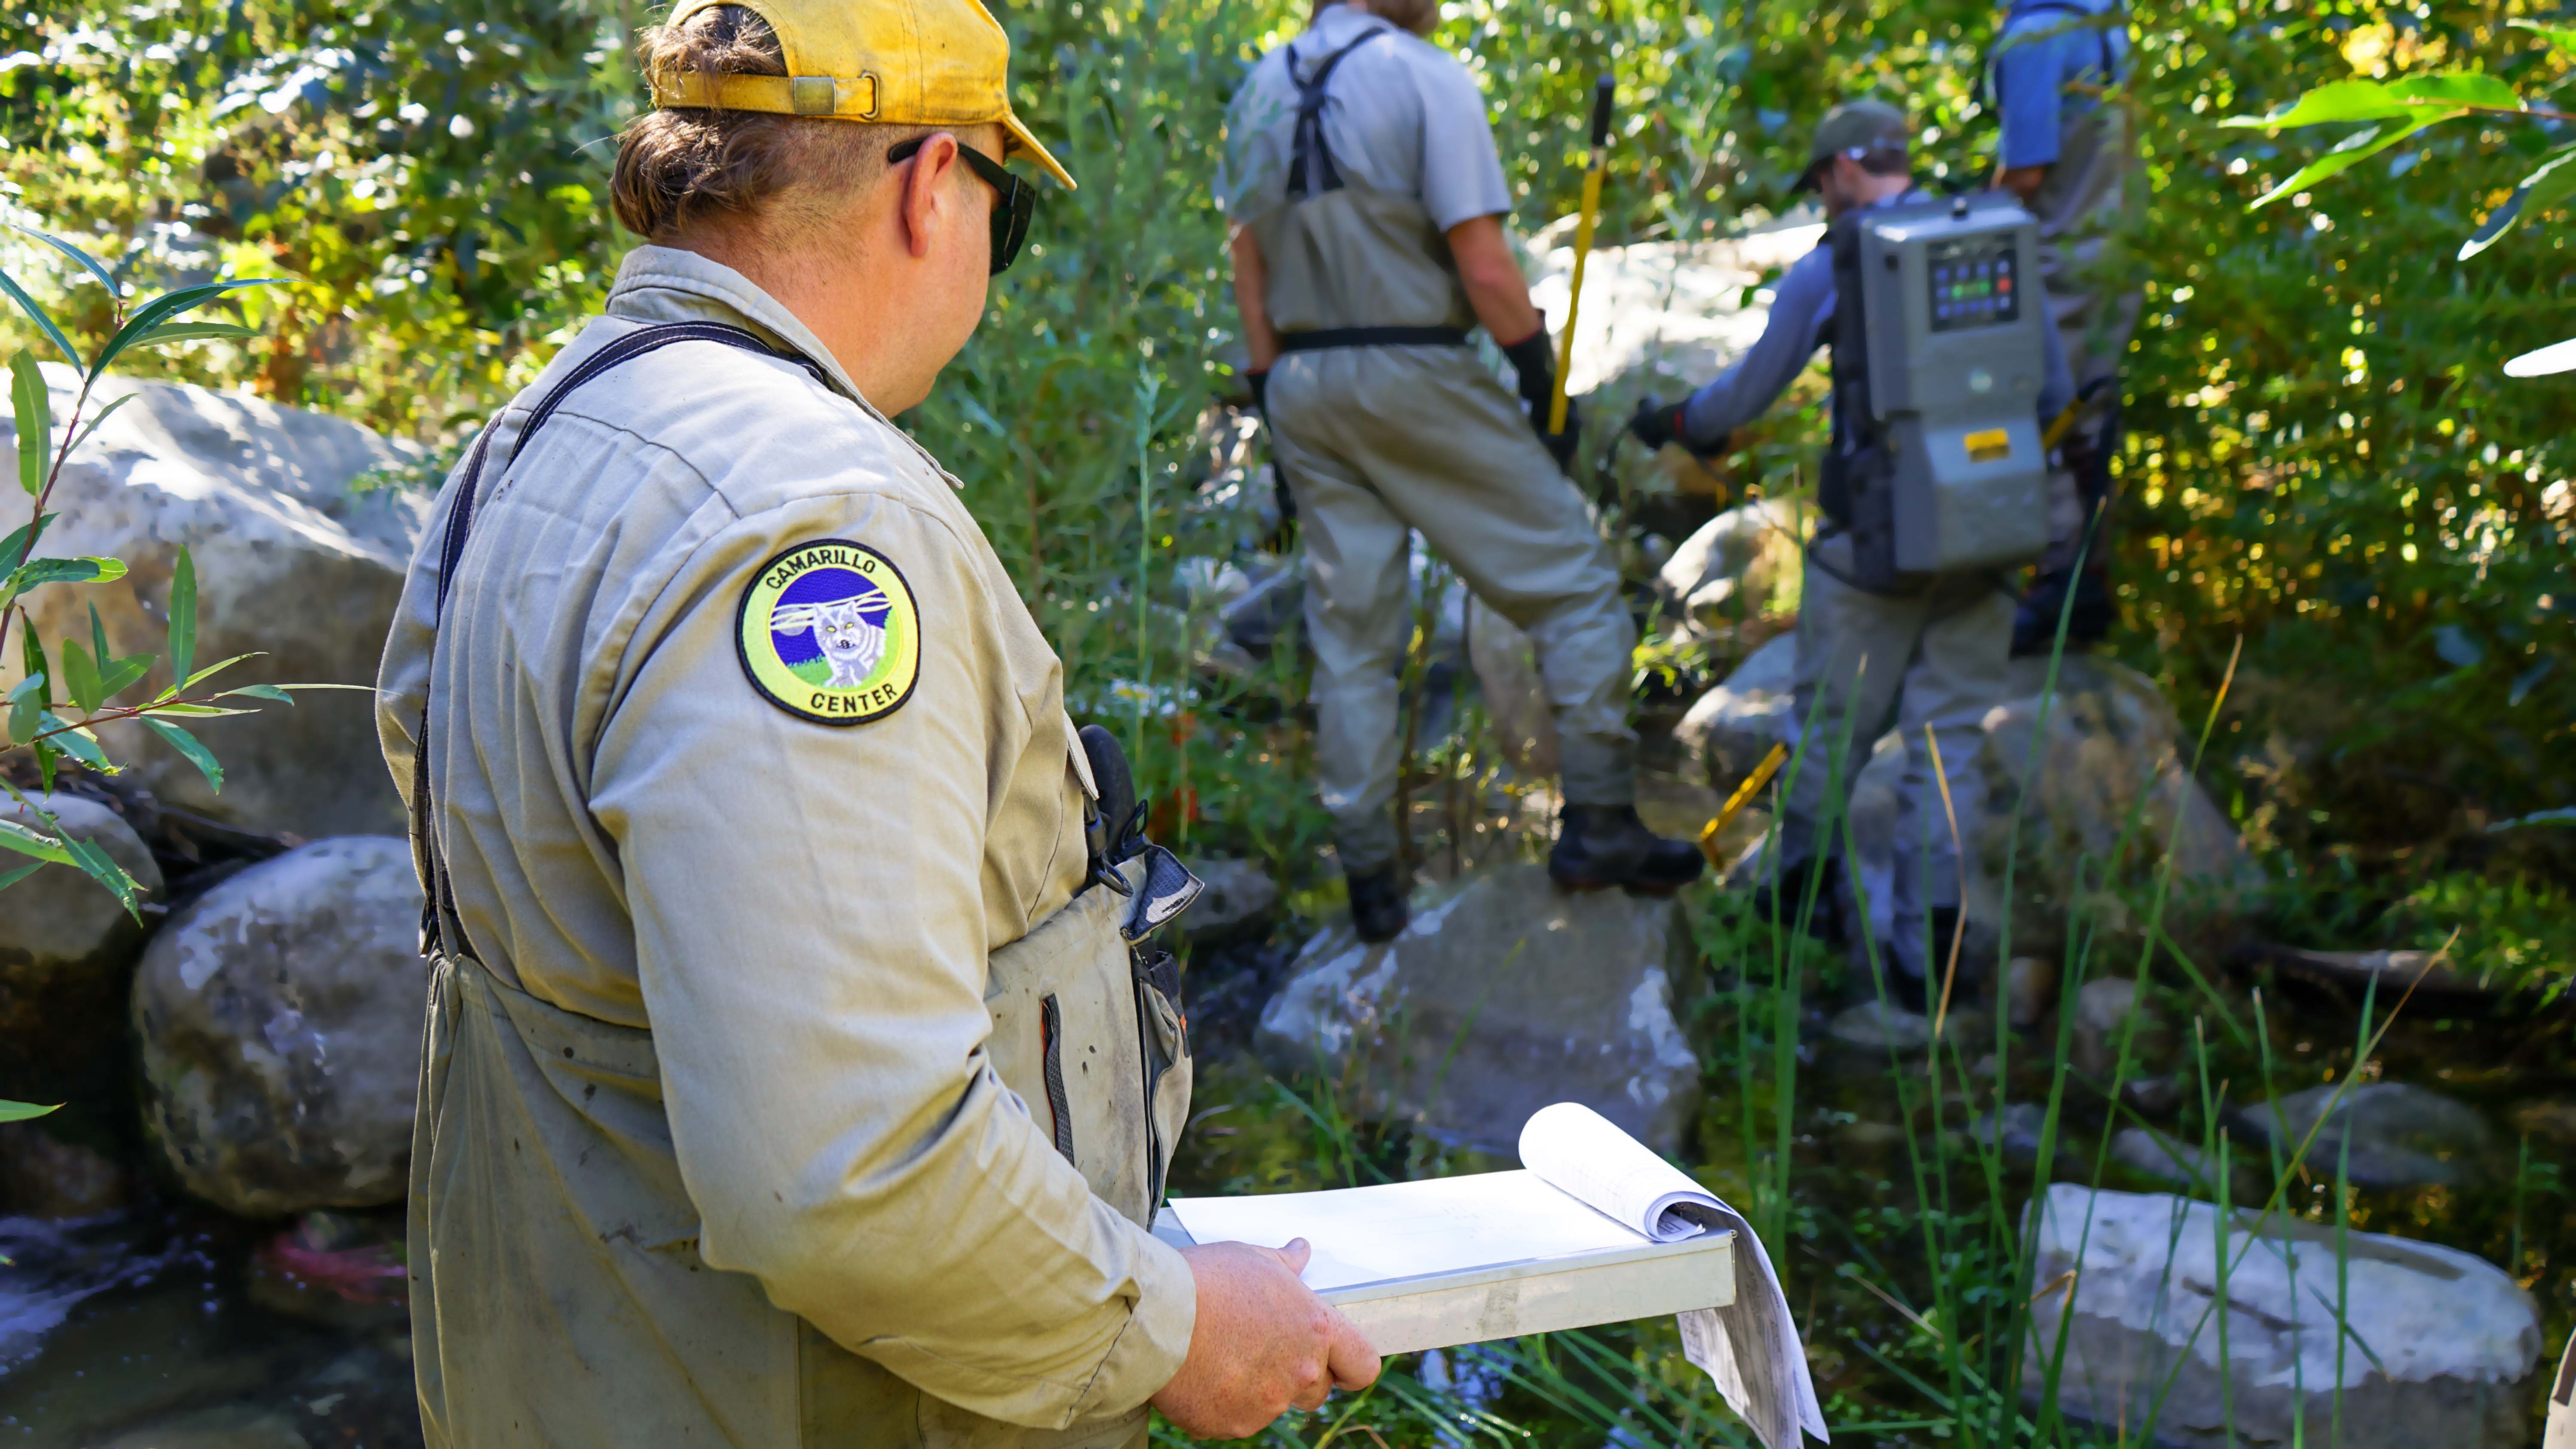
[
  {"x": 1929, "y": 663},
  {"x": 1368, "y": 204}
]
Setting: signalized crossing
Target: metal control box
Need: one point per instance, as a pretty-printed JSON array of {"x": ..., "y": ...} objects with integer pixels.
[{"x": 1955, "y": 323}]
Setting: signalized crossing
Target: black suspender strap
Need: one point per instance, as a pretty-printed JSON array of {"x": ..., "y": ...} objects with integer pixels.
[
  {"x": 1310, "y": 160},
  {"x": 440, "y": 907}
]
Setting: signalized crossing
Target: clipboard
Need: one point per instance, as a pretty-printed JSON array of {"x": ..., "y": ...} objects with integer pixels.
[{"x": 1537, "y": 1295}]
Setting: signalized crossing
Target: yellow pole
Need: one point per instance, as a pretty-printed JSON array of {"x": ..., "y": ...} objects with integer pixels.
[
  {"x": 1582, "y": 245},
  {"x": 1736, "y": 802}
]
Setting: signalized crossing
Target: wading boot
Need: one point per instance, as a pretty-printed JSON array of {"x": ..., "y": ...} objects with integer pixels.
[
  {"x": 1607, "y": 845},
  {"x": 1377, "y": 904},
  {"x": 1783, "y": 899}
]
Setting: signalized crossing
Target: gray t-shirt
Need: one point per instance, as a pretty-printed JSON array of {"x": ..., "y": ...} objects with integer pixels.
[{"x": 1400, "y": 115}]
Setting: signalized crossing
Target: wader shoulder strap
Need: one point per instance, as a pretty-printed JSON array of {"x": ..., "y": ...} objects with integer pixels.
[
  {"x": 1310, "y": 161},
  {"x": 438, "y": 913}
]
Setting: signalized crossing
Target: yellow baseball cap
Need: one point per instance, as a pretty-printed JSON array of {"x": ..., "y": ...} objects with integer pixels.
[{"x": 903, "y": 62}]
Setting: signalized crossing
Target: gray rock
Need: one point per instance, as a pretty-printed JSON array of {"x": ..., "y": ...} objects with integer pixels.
[
  {"x": 2101, "y": 1008},
  {"x": 289, "y": 565},
  {"x": 1730, "y": 728},
  {"x": 280, "y": 1023},
  {"x": 2441, "y": 1347},
  {"x": 2153, "y": 1154},
  {"x": 2401, "y": 1135},
  {"x": 2112, "y": 746},
  {"x": 66, "y": 951},
  {"x": 1504, "y": 995},
  {"x": 1727, "y": 578},
  {"x": 1238, "y": 896},
  {"x": 43, "y": 1176},
  {"x": 2030, "y": 988},
  {"x": 2015, "y": 1130},
  {"x": 1878, "y": 1026}
]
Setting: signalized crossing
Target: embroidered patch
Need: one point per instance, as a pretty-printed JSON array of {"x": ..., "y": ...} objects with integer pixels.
[{"x": 827, "y": 631}]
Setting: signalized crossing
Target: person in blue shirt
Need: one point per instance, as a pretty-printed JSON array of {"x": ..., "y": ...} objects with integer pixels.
[
  {"x": 2067, "y": 153},
  {"x": 1929, "y": 663}
]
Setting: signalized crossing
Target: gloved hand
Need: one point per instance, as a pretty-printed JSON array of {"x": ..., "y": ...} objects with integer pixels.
[
  {"x": 1657, "y": 422},
  {"x": 1258, "y": 379},
  {"x": 1535, "y": 361}
]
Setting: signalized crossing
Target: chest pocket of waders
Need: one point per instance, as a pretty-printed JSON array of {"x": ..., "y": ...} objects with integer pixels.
[{"x": 1087, "y": 1020}]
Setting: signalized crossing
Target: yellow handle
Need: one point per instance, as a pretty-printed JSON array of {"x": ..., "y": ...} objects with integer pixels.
[
  {"x": 1736, "y": 802},
  {"x": 1574, "y": 299}
]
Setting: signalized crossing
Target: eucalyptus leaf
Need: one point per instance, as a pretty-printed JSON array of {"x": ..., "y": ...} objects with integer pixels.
[
  {"x": 22, "y": 1111},
  {"x": 2458, "y": 88},
  {"x": 2350, "y": 152},
  {"x": 80, "y": 677},
  {"x": 2539, "y": 191},
  {"x": 166, "y": 306},
  {"x": 21, "y": 542},
  {"x": 2561, "y": 38},
  {"x": 190, "y": 746},
  {"x": 2345, "y": 100},
  {"x": 32, "y": 404},
  {"x": 260, "y": 691},
  {"x": 8, "y": 879},
  {"x": 26, "y": 701},
  {"x": 66, "y": 571},
  {"x": 17, "y": 837},
  {"x": 98, "y": 418},
  {"x": 195, "y": 711},
  {"x": 220, "y": 665},
  {"x": 100, "y": 866},
  {"x": 87, "y": 263},
  {"x": 183, "y": 615},
  {"x": 76, "y": 741},
  {"x": 193, "y": 332},
  {"x": 44, "y": 321}
]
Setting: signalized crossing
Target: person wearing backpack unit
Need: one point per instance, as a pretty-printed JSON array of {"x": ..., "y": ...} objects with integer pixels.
[
  {"x": 799, "y": 1068},
  {"x": 2068, "y": 154},
  {"x": 1368, "y": 205},
  {"x": 1928, "y": 659}
]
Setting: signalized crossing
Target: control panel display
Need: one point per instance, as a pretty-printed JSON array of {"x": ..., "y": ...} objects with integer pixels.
[{"x": 1973, "y": 284}]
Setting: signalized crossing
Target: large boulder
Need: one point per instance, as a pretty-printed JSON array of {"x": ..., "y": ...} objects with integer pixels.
[
  {"x": 1732, "y": 580},
  {"x": 1730, "y": 728},
  {"x": 290, "y": 565},
  {"x": 2113, "y": 761},
  {"x": 2437, "y": 1346},
  {"x": 1675, "y": 313},
  {"x": 2112, "y": 751},
  {"x": 280, "y": 1022},
  {"x": 66, "y": 950},
  {"x": 2400, "y": 1135},
  {"x": 1504, "y": 995}
]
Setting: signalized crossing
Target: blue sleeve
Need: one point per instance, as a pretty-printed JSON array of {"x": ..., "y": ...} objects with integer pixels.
[
  {"x": 1799, "y": 307},
  {"x": 2028, "y": 70}
]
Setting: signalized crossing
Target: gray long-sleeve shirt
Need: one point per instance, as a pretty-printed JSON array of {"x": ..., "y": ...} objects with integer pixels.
[{"x": 1802, "y": 309}]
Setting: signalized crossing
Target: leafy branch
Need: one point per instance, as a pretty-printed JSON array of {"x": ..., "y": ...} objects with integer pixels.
[
  {"x": 2401, "y": 109},
  {"x": 62, "y": 696}
]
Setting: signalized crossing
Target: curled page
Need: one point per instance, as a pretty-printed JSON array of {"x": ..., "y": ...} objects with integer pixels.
[{"x": 1750, "y": 1348}]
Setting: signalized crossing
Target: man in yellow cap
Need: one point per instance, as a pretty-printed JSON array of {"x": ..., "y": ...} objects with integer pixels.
[{"x": 799, "y": 1068}]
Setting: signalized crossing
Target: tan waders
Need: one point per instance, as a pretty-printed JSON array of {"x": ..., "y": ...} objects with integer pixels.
[{"x": 1385, "y": 424}]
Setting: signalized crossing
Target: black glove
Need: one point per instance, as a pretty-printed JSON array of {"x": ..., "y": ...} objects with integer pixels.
[
  {"x": 1532, "y": 358},
  {"x": 1657, "y": 422},
  {"x": 1258, "y": 379}
]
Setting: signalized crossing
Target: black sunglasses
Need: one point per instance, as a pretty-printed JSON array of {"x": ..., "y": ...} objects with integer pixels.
[{"x": 1011, "y": 213}]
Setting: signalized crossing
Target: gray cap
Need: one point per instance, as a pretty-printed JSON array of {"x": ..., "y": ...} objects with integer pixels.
[{"x": 1856, "y": 129}]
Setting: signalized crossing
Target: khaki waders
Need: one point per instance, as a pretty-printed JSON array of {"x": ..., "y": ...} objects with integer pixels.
[{"x": 1385, "y": 423}]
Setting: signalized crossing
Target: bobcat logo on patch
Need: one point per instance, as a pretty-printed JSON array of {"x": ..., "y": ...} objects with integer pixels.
[{"x": 828, "y": 632}]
